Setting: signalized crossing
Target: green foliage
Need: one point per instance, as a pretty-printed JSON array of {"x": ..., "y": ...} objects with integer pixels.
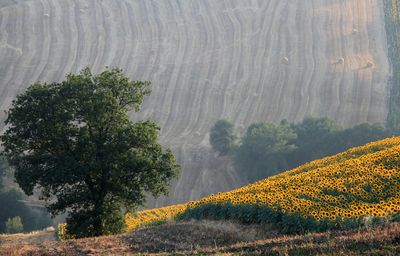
[
  {"x": 1, "y": 179},
  {"x": 14, "y": 225},
  {"x": 262, "y": 149},
  {"x": 313, "y": 128},
  {"x": 267, "y": 149},
  {"x": 356, "y": 136},
  {"x": 320, "y": 137},
  {"x": 80, "y": 223},
  {"x": 3, "y": 171},
  {"x": 279, "y": 219},
  {"x": 222, "y": 137},
  {"x": 74, "y": 140}
]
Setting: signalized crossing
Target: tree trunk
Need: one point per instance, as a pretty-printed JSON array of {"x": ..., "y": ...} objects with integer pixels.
[{"x": 98, "y": 217}]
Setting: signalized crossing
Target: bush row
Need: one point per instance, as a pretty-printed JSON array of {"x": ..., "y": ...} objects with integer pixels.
[{"x": 288, "y": 223}]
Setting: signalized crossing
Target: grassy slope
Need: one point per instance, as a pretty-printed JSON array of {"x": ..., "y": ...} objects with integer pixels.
[
  {"x": 362, "y": 181},
  {"x": 210, "y": 237}
]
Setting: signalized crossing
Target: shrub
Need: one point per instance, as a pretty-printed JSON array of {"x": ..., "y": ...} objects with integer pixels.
[{"x": 14, "y": 225}]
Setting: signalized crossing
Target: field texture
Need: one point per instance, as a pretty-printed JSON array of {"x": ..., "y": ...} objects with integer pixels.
[
  {"x": 360, "y": 184},
  {"x": 243, "y": 60},
  {"x": 392, "y": 11}
]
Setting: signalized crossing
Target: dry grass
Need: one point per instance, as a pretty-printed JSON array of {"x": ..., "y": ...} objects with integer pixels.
[
  {"x": 27, "y": 238},
  {"x": 215, "y": 238}
]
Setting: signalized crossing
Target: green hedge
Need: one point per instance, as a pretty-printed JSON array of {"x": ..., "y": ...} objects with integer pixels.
[{"x": 285, "y": 222}]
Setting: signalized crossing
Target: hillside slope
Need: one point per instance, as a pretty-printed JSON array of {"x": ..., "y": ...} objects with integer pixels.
[
  {"x": 246, "y": 61},
  {"x": 334, "y": 191}
]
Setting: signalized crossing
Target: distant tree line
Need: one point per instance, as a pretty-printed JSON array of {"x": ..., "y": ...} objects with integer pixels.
[{"x": 269, "y": 148}]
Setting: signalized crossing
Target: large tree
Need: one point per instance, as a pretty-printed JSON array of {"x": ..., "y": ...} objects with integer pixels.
[{"x": 73, "y": 142}]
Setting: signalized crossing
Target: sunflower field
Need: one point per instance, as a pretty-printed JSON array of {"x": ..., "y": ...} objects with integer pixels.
[{"x": 359, "y": 186}]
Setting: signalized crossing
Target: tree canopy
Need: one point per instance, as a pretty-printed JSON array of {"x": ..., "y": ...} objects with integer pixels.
[
  {"x": 313, "y": 128},
  {"x": 261, "y": 149},
  {"x": 222, "y": 137},
  {"x": 268, "y": 148},
  {"x": 74, "y": 142}
]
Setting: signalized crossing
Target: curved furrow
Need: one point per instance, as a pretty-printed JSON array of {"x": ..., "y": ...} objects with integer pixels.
[
  {"x": 217, "y": 80},
  {"x": 246, "y": 67},
  {"x": 46, "y": 41},
  {"x": 365, "y": 77},
  {"x": 178, "y": 67},
  {"x": 7, "y": 53},
  {"x": 132, "y": 43},
  {"x": 63, "y": 35},
  {"x": 157, "y": 51},
  {"x": 251, "y": 54},
  {"x": 331, "y": 93},
  {"x": 379, "y": 80},
  {"x": 266, "y": 61},
  {"x": 49, "y": 72},
  {"x": 274, "y": 71},
  {"x": 27, "y": 62},
  {"x": 73, "y": 39},
  {"x": 163, "y": 89},
  {"x": 190, "y": 91},
  {"x": 8, "y": 42},
  {"x": 360, "y": 91},
  {"x": 200, "y": 68},
  {"x": 88, "y": 9},
  {"x": 213, "y": 98},
  {"x": 283, "y": 95},
  {"x": 99, "y": 63},
  {"x": 307, "y": 71},
  {"x": 116, "y": 33},
  {"x": 240, "y": 92},
  {"x": 337, "y": 93},
  {"x": 204, "y": 93},
  {"x": 381, "y": 85},
  {"x": 255, "y": 56},
  {"x": 109, "y": 38},
  {"x": 83, "y": 36},
  {"x": 272, "y": 65},
  {"x": 121, "y": 59},
  {"x": 322, "y": 64}
]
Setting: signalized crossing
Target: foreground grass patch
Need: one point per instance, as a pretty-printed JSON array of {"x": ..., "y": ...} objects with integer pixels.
[{"x": 220, "y": 238}]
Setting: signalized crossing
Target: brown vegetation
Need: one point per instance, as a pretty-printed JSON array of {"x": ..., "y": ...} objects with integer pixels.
[{"x": 214, "y": 238}]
